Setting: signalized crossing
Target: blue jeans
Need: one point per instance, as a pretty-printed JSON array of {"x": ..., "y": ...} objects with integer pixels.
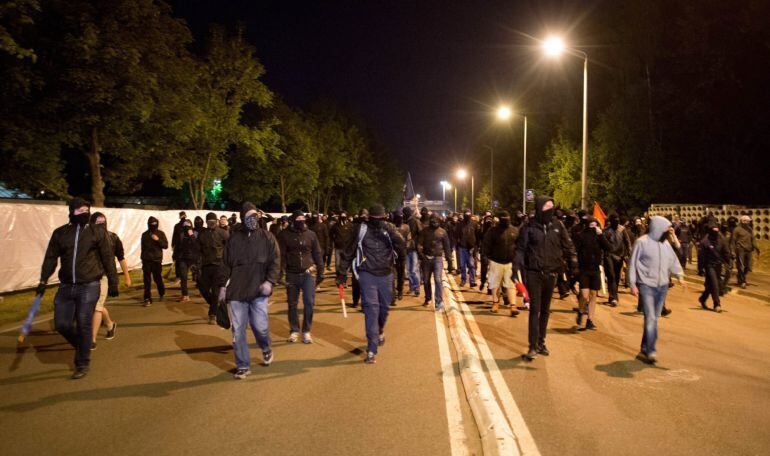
[
  {"x": 652, "y": 300},
  {"x": 467, "y": 264},
  {"x": 376, "y": 295},
  {"x": 253, "y": 312},
  {"x": 413, "y": 270},
  {"x": 75, "y": 304},
  {"x": 305, "y": 283},
  {"x": 433, "y": 266}
]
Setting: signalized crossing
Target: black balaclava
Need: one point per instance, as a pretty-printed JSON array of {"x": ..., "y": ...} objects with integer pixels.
[
  {"x": 434, "y": 222},
  {"x": 80, "y": 219},
  {"x": 211, "y": 220},
  {"x": 298, "y": 225},
  {"x": 95, "y": 216},
  {"x": 250, "y": 216},
  {"x": 398, "y": 219},
  {"x": 505, "y": 219},
  {"x": 713, "y": 231},
  {"x": 543, "y": 216},
  {"x": 467, "y": 215},
  {"x": 614, "y": 222},
  {"x": 198, "y": 223},
  {"x": 152, "y": 223}
]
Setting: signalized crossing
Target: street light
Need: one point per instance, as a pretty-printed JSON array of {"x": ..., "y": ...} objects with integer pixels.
[
  {"x": 504, "y": 113},
  {"x": 553, "y": 47},
  {"x": 462, "y": 174},
  {"x": 491, "y": 172},
  {"x": 444, "y": 187}
]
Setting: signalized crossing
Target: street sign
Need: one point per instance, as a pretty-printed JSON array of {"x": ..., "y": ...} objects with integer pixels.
[{"x": 530, "y": 195}]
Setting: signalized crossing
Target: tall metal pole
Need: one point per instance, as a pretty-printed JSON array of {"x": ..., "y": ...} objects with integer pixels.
[
  {"x": 584, "y": 183},
  {"x": 472, "y": 211},
  {"x": 491, "y": 178},
  {"x": 524, "y": 190},
  {"x": 455, "y": 198},
  {"x": 443, "y": 193}
]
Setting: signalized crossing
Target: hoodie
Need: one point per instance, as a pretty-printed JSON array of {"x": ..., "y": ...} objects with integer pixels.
[
  {"x": 652, "y": 262},
  {"x": 152, "y": 250}
]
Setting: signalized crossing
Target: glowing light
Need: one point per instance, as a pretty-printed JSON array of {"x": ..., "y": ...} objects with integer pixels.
[
  {"x": 504, "y": 113},
  {"x": 462, "y": 174},
  {"x": 553, "y": 46}
]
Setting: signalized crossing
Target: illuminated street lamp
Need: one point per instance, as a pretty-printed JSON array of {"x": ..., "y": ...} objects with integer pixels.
[
  {"x": 462, "y": 174},
  {"x": 504, "y": 113},
  {"x": 554, "y": 47},
  {"x": 444, "y": 187}
]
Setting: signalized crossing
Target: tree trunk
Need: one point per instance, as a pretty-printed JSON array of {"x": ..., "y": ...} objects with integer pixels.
[
  {"x": 283, "y": 194},
  {"x": 95, "y": 166},
  {"x": 193, "y": 195}
]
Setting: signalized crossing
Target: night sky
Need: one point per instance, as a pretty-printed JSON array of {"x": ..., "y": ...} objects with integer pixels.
[{"x": 424, "y": 75}]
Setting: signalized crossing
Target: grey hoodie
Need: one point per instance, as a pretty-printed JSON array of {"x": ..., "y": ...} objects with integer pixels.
[{"x": 653, "y": 262}]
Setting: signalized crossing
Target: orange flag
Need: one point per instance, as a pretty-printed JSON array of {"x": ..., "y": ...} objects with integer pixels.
[{"x": 599, "y": 214}]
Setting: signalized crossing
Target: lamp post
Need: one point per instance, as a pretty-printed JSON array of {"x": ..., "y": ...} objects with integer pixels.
[
  {"x": 554, "y": 47},
  {"x": 444, "y": 186},
  {"x": 491, "y": 175},
  {"x": 462, "y": 174},
  {"x": 505, "y": 113}
]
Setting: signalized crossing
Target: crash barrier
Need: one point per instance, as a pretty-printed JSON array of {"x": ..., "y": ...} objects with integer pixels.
[
  {"x": 26, "y": 230},
  {"x": 759, "y": 215}
]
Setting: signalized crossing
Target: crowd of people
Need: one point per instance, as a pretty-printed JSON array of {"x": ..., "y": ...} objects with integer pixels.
[{"x": 236, "y": 263}]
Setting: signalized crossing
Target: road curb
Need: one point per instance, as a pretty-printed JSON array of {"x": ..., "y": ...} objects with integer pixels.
[{"x": 496, "y": 435}]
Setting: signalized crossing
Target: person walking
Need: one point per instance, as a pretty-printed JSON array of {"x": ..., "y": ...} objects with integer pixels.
[
  {"x": 321, "y": 230},
  {"x": 153, "y": 243},
  {"x": 84, "y": 254},
  {"x": 432, "y": 247},
  {"x": 467, "y": 235},
  {"x": 412, "y": 259},
  {"x": 743, "y": 245},
  {"x": 500, "y": 247},
  {"x": 212, "y": 240},
  {"x": 542, "y": 247},
  {"x": 101, "y": 314},
  {"x": 650, "y": 267},
  {"x": 591, "y": 246},
  {"x": 400, "y": 266},
  {"x": 302, "y": 260},
  {"x": 716, "y": 254},
  {"x": 619, "y": 250},
  {"x": 251, "y": 265},
  {"x": 371, "y": 251},
  {"x": 187, "y": 255}
]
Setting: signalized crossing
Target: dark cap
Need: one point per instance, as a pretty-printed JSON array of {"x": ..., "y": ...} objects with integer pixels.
[
  {"x": 76, "y": 203},
  {"x": 503, "y": 214},
  {"x": 297, "y": 213},
  {"x": 181, "y": 213},
  {"x": 377, "y": 210},
  {"x": 246, "y": 208},
  {"x": 211, "y": 216}
]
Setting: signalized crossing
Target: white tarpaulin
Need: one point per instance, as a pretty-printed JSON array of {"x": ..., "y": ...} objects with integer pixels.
[{"x": 26, "y": 229}]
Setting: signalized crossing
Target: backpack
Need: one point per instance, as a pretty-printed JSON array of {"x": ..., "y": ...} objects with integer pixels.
[{"x": 360, "y": 258}]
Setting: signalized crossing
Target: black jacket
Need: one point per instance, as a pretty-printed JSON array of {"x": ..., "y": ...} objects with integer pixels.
[
  {"x": 117, "y": 246},
  {"x": 715, "y": 251},
  {"x": 188, "y": 249},
  {"x": 84, "y": 261},
  {"x": 467, "y": 234},
  {"x": 212, "y": 242},
  {"x": 300, "y": 250},
  {"x": 380, "y": 245},
  {"x": 433, "y": 243},
  {"x": 339, "y": 233},
  {"x": 152, "y": 250},
  {"x": 415, "y": 226},
  {"x": 321, "y": 231},
  {"x": 590, "y": 248},
  {"x": 544, "y": 248},
  {"x": 500, "y": 244},
  {"x": 250, "y": 258},
  {"x": 176, "y": 235}
]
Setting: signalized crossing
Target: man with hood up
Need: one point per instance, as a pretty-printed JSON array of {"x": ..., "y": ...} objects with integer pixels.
[
  {"x": 153, "y": 243},
  {"x": 742, "y": 243},
  {"x": 716, "y": 253},
  {"x": 85, "y": 254},
  {"x": 542, "y": 247},
  {"x": 412, "y": 260},
  {"x": 321, "y": 230},
  {"x": 432, "y": 247},
  {"x": 650, "y": 267},
  {"x": 302, "y": 259},
  {"x": 500, "y": 247},
  {"x": 251, "y": 265},
  {"x": 186, "y": 257},
  {"x": 467, "y": 240},
  {"x": 212, "y": 241}
]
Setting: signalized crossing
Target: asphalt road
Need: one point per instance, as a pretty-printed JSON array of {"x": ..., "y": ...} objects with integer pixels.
[{"x": 164, "y": 385}]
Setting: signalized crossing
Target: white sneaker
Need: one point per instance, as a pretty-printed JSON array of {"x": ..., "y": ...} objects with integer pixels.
[
  {"x": 240, "y": 374},
  {"x": 307, "y": 338},
  {"x": 293, "y": 338}
]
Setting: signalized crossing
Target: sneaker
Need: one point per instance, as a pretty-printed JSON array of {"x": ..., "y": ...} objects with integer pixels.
[
  {"x": 439, "y": 307},
  {"x": 147, "y": 302},
  {"x": 462, "y": 283},
  {"x": 400, "y": 296},
  {"x": 564, "y": 296},
  {"x": 293, "y": 337},
  {"x": 212, "y": 319},
  {"x": 514, "y": 312},
  {"x": 370, "y": 358},
  {"x": 579, "y": 319},
  {"x": 543, "y": 350},
  {"x": 743, "y": 285},
  {"x": 184, "y": 299},
  {"x": 473, "y": 284},
  {"x": 590, "y": 325},
  {"x": 79, "y": 373},
  {"x": 416, "y": 293},
  {"x": 426, "y": 302},
  {"x": 702, "y": 304},
  {"x": 495, "y": 307},
  {"x": 111, "y": 331},
  {"x": 307, "y": 338},
  {"x": 481, "y": 287},
  {"x": 93, "y": 346},
  {"x": 718, "y": 309},
  {"x": 613, "y": 302},
  {"x": 666, "y": 312},
  {"x": 240, "y": 374},
  {"x": 267, "y": 358},
  {"x": 652, "y": 358},
  {"x": 530, "y": 355},
  {"x": 642, "y": 356},
  {"x": 381, "y": 341}
]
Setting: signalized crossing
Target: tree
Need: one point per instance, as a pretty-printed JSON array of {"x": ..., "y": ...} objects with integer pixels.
[
  {"x": 560, "y": 171},
  {"x": 228, "y": 80}
]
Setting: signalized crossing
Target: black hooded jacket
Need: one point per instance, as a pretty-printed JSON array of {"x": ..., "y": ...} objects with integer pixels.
[
  {"x": 152, "y": 250},
  {"x": 300, "y": 250},
  {"x": 250, "y": 258},
  {"x": 544, "y": 244},
  {"x": 212, "y": 242},
  {"x": 500, "y": 243},
  {"x": 380, "y": 243},
  {"x": 590, "y": 249},
  {"x": 86, "y": 254}
]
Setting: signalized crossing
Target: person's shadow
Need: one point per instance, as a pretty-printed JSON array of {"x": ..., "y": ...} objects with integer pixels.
[{"x": 626, "y": 368}]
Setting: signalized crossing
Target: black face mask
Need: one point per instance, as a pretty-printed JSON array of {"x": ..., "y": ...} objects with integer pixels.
[
  {"x": 251, "y": 223},
  {"x": 299, "y": 225},
  {"x": 80, "y": 219},
  {"x": 343, "y": 218},
  {"x": 545, "y": 216},
  {"x": 434, "y": 224},
  {"x": 211, "y": 224},
  {"x": 713, "y": 235},
  {"x": 152, "y": 226},
  {"x": 505, "y": 222}
]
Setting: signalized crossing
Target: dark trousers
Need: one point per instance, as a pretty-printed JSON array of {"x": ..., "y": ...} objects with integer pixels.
[
  {"x": 152, "y": 270},
  {"x": 207, "y": 286},
  {"x": 612, "y": 268},
  {"x": 701, "y": 261},
  {"x": 561, "y": 284},
  {"x": 540, "y": 287},
  {"x": 400, "y": 268},
  {"x": 376, "y": 297},
  {"x": 435, "y": 267},
  {"x": 711, "y": 284},
  {"x": 356, "y": 291},
  {"x": 743, "y": 263},
  {"x": 726, "y": 271},
  {"x": 484, "y": 268},
  {"x": 296, "y": 283},
  {"x": 182, "y": 267},
  {"x": 73, "y": 312},
  {"x": 684, "y": 252},
  {"x": 328, "y": 259}
]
